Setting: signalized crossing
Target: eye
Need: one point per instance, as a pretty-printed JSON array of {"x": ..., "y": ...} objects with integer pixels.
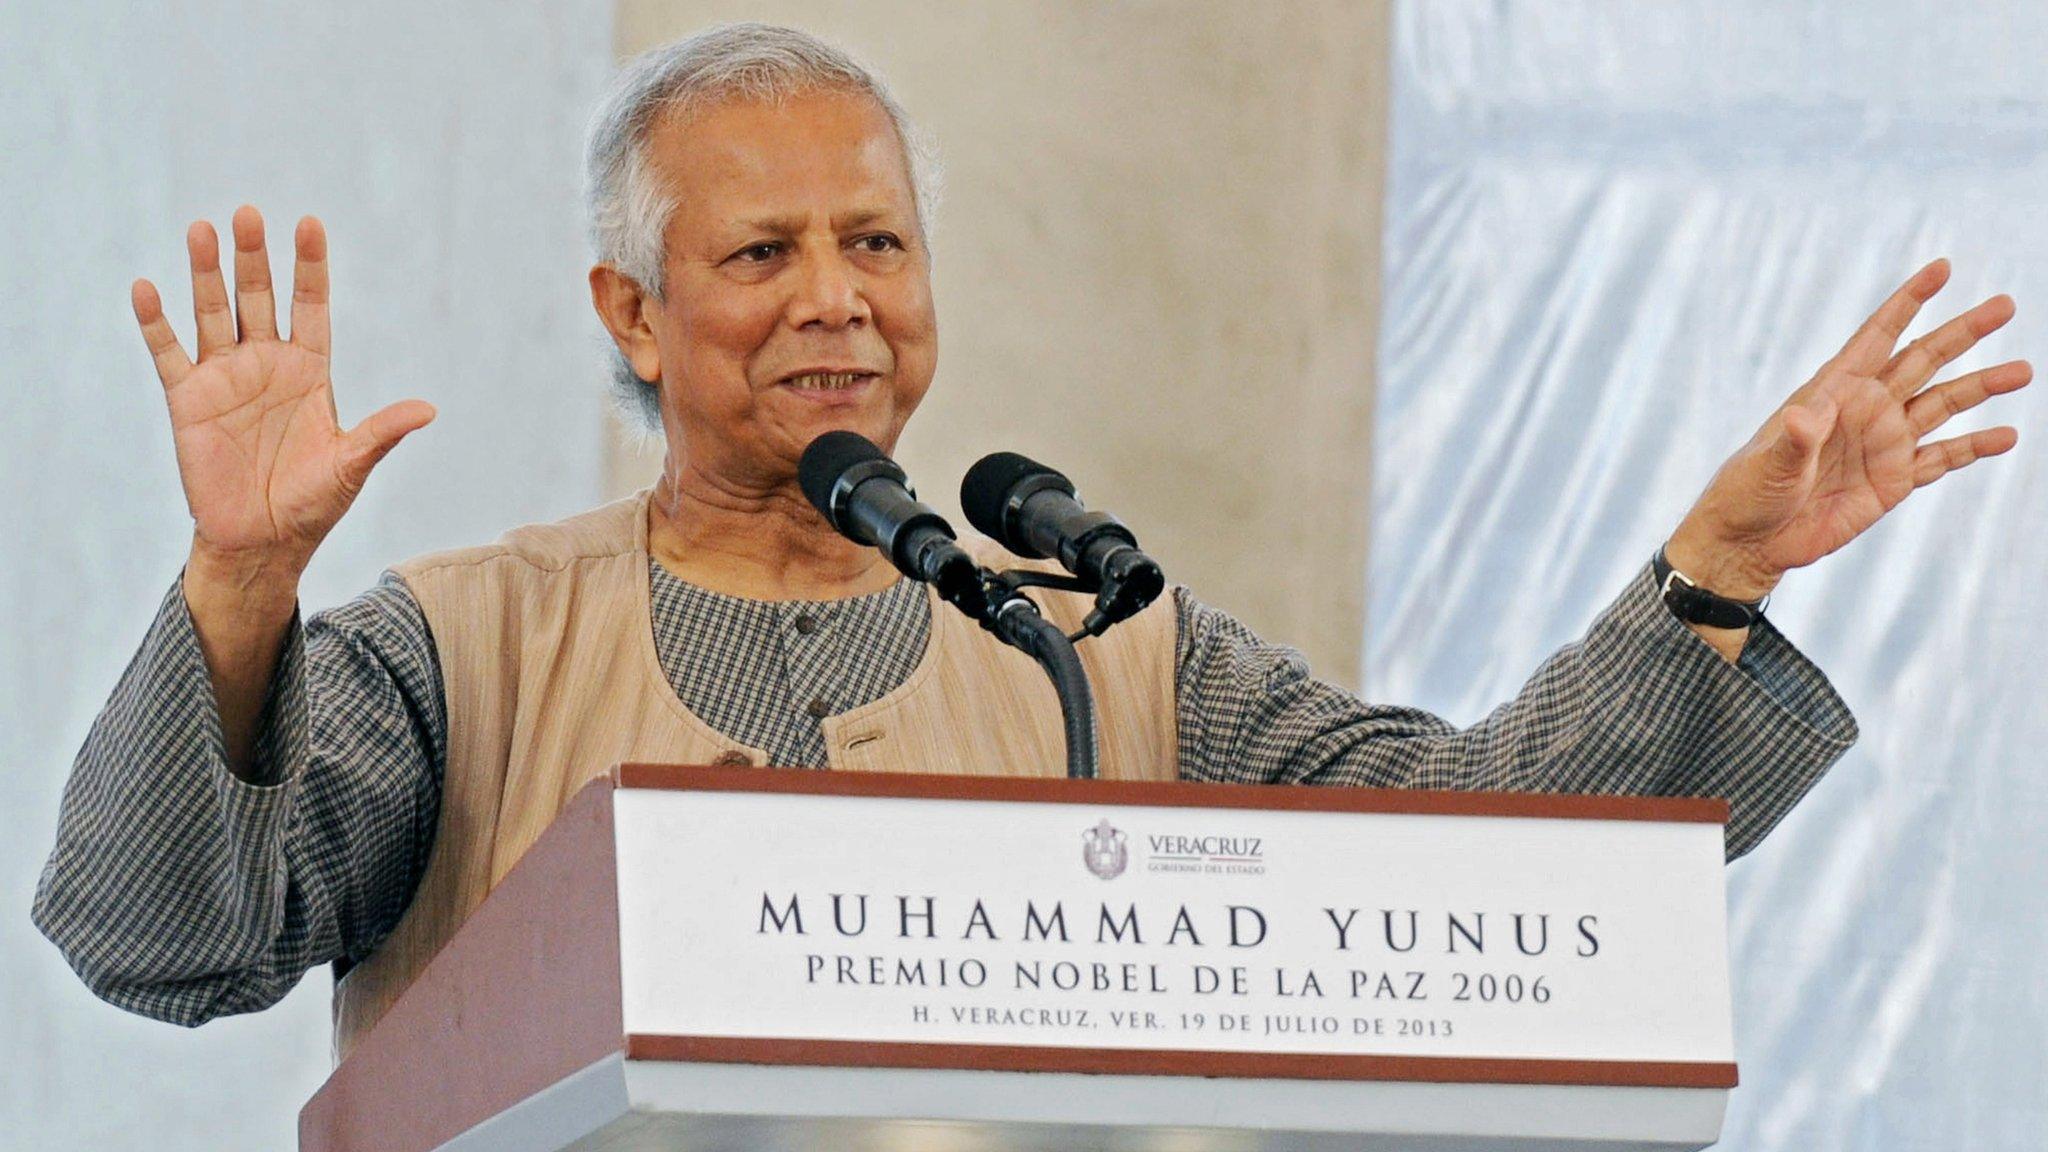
[
  {"x": 757, "y": 253},
  {"x": 878, "y": 242}
]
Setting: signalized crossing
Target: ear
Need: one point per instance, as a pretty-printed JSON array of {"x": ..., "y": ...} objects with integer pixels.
[{"x": 622, "y": 306}]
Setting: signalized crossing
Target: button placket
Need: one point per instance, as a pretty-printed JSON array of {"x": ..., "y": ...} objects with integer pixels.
[{"x": 808, "y": 623}]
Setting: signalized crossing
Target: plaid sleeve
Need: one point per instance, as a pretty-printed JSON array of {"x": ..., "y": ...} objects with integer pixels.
[
  {"x": 1638, "y": 705},
  {"x": 181, "y": 891}
]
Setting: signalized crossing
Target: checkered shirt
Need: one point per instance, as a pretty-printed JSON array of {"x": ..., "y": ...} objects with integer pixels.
[{"x": 180, "y": 891}]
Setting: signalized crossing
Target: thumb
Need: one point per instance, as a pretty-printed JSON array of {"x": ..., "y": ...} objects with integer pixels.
[
  {"x": 1800, "y": 433},
  {"x": 370, "y": 441}
]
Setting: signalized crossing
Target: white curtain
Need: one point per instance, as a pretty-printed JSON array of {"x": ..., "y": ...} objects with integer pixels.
[{"x": 1617, "y": 236}]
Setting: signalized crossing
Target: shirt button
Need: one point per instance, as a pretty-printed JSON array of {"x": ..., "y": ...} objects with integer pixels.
[
  {"x": 732, "y": 759},
  {"x": 818, "y": 709},
  {"x": 806, "y": 624}
]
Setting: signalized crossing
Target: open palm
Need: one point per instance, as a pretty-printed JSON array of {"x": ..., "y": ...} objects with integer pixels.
[
  {"x": 1846, "y": 447},
  {"x": 266, "y": 467}
]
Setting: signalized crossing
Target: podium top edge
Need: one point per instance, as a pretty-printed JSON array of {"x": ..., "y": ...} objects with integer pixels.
[{"x": 1171, "y": 794}]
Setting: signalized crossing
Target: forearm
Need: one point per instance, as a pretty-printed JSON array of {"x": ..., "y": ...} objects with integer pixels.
[
  {"x": 1639, "y": 705},
  {"x": 243, "y": 610},
  {"x": 183, "y": 891},
  {"x": 166, "y": 889}
]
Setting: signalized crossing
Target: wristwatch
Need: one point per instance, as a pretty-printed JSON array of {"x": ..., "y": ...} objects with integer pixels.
[{"x": 1695, "y": 605}]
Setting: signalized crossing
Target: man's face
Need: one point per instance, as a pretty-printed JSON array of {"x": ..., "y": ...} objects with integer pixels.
[{"x": 794, "y": 248}]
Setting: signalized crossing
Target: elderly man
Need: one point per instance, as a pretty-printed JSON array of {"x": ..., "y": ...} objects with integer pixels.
[{"x": 260, "y": 797}]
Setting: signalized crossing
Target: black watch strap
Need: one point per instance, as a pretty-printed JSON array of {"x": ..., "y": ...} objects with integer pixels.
[{"x": 1695, "y": 605}]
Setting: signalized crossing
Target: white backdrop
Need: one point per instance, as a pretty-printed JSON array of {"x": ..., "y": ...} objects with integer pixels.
[
  {"x": 1617, "y": 235},
  {"x": 441, "y": 144}
]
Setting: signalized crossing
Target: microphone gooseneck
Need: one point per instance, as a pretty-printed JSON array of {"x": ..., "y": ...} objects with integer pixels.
[{"x": 1019, "y": 623}]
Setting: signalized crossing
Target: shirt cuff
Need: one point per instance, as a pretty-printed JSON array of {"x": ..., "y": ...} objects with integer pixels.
[
  {"x": 1769, "y": 663},
  {"x": 1770, "y": 724}
]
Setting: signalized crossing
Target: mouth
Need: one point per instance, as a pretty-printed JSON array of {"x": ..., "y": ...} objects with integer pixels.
[{"x": 828, "y": 386}]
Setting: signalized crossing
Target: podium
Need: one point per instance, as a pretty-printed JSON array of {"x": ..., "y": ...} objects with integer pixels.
[{"x": 745, "y": 958}]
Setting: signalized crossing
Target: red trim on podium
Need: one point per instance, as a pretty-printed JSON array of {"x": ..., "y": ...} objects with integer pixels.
[
  {"x": 1155, "y": 1062},
  {"x": 1175, "y": 794}
]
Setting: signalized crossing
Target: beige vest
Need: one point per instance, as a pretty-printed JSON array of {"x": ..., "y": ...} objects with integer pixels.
[{"x": 548, "y": 664}]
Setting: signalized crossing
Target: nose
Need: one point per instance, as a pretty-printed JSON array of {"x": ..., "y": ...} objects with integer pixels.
[{"x": 828, "y": 293}]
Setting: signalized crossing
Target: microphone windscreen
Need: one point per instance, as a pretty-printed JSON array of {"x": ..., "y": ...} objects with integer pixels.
[
  {"x": 986, "y": 488},
  {"x": 826, "y": 460}
]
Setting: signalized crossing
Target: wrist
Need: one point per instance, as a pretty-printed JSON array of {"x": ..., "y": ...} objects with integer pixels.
[
  {"x": 246, "y": 583},
  {"x": 242, "y": 605},
  {"x": 1717, "y": 567}
]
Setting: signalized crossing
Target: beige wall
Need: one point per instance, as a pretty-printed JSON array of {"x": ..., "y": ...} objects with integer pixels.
[{"x": 1157, "y": 270}]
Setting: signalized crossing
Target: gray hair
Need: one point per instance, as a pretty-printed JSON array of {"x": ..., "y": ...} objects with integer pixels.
[{"x": 628, "y": 208}]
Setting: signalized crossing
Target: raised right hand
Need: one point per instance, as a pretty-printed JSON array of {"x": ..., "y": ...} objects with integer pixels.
[{"x": 266, "y": 467}]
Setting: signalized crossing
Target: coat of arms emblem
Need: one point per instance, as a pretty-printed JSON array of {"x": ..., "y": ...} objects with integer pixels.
[{"x": 1103, "y": 850}]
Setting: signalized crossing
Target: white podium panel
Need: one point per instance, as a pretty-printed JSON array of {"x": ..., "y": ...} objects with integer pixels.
[
  {"x": 762, "y": 959},
  {"x": 1128, "y": 927}
]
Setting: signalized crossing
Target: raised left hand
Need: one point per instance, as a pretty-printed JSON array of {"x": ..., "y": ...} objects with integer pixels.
[{"x": 1847, "y": 447}]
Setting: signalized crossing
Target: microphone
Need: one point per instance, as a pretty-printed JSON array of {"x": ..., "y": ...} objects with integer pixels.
[
  {"x": 1032, "y": 511},
  {"x": 867, "y": 497}
]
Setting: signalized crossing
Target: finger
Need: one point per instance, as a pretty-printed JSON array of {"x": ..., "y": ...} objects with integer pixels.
[
  {"x": 164, "y": 349},
  {"x": 1867, "y": 351},
  {"x": 309, "y": 287},
  {"x": 210, "y": 312},
  {"x": 1933, "y": 408},
  {"x": 1918, "y": 361},
  {"x": 255, "y": 306},
  {"x": 373, "y": 439},
  {"x": 1933, "y": 461}
]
